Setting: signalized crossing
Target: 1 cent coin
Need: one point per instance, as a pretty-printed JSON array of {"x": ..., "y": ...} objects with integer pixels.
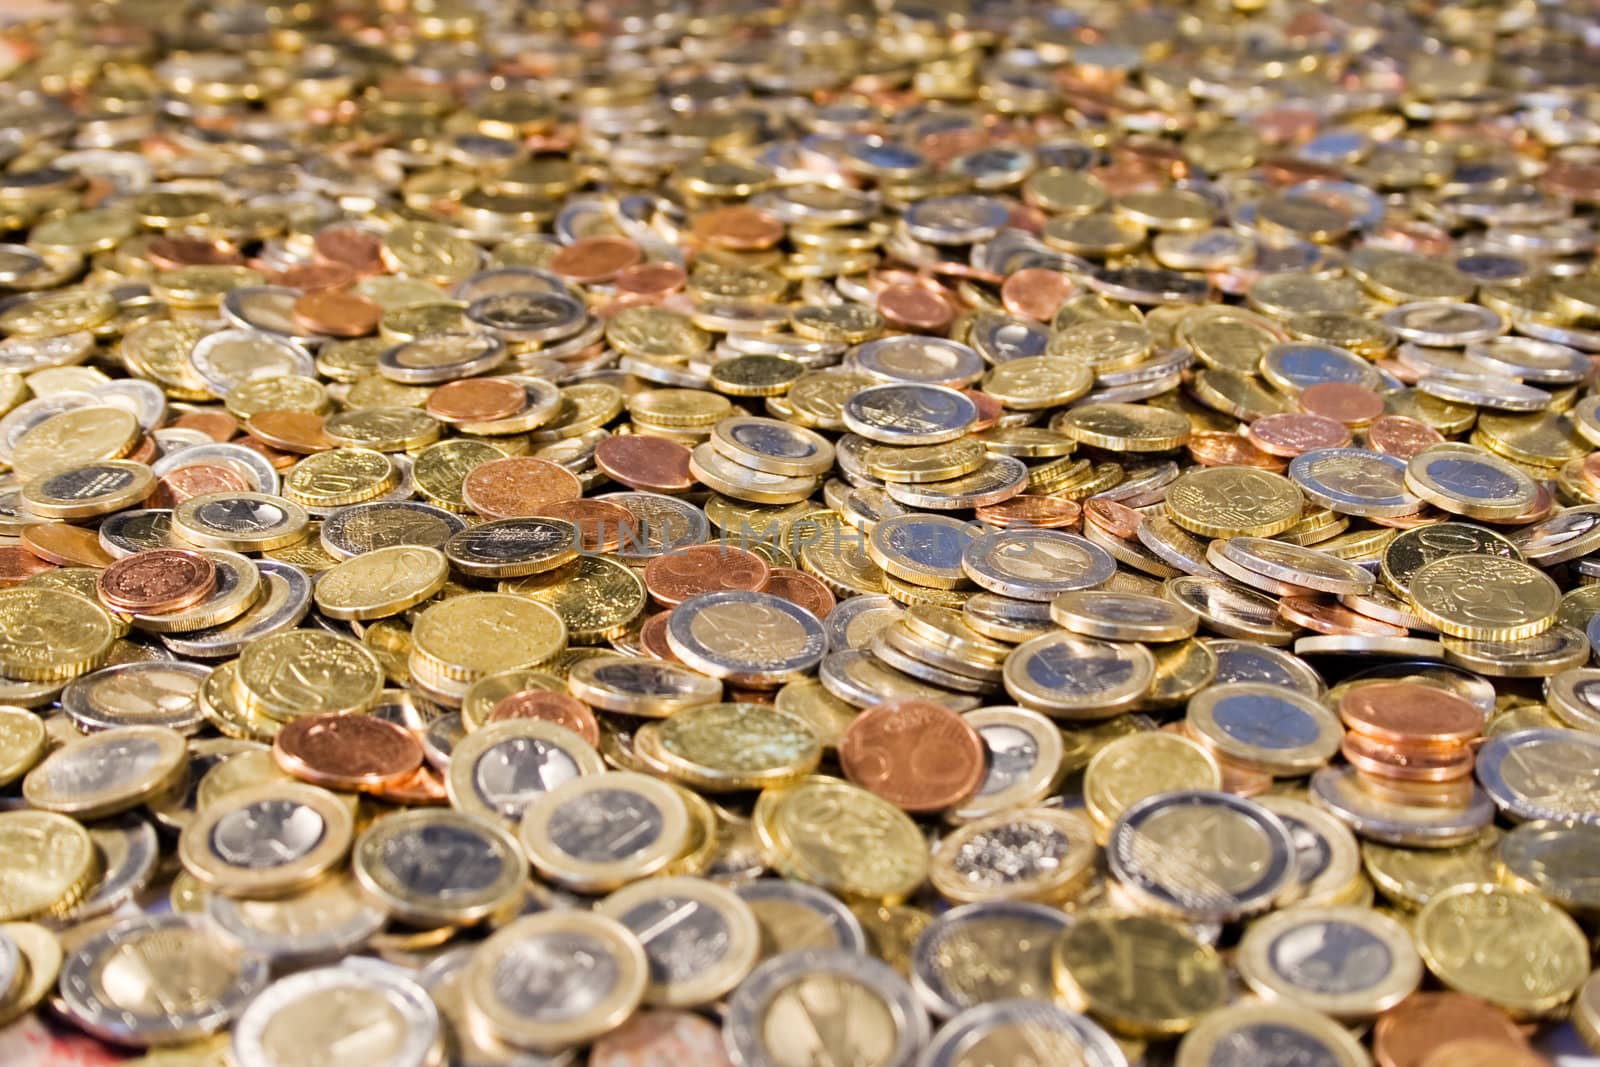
[
  {"x": 640, "y": 461},
  {"x": 197, "y": 479},
  {"x": 562, "y": 709},
  {"x": 476, "y": 400},
  {"x": 1046, "y": 512},
  {"x": 17, "y": 565},
  {"x": 1290, "y": 433},
  {"x": 518, "y": 487},
  {"x": 1036, "y": 293},
  {"x": 157, "y": 582},
  {"x": 677, "y": 576},
  {"x": 300, "y": 432},
  {"x": 798, "y": 587},
  {"x": 1407, "y": 713},
  {"x": 1353, "y": 405},
  {"x": 919, "y": 756},
  {"x": 738, "y": 228},
  {"x": 347, "y": 751},
  {"x": 1406, "y": 1035},
  {"x": 602, "y": 525},
  {"x": 591, "y": 260},
  {"x": 1401, "y": 435},
  {"x": 337, "y": 312}
]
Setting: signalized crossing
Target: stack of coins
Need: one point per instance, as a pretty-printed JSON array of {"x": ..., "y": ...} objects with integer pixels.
[{"x": 1411, "y": 745}]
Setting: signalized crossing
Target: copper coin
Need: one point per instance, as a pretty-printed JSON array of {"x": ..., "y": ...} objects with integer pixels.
[
  {"x": 355, "y": 248},
  {"x": 217, "y": 425},
  {"x": 347, "y": 751},
  {"x": 989, "y": 410},
  {"x": 1353, "y": 405},
  {"x": 423, "y": 787},
  {"x": 1031, "y": 509},
  {"x": 17, "y": 565},
  {"x": 559, "y": 708},
  {"x": 1426, "y": 515},
  {"x": 290, "y": 431},
  {"x": 677, "y": 576},
  {"x": 518, "y": 486},
  {"x": 144, "y": 450},
  {"x": 1544, "y": 502},
  {"x": 314, "y": 277},
  {"x": 653, "y": 637},
  {"x": 1401, "y": 435},
  {"x": 662, "y": 1039},
  {"x": 171, "y": 252},
  {"x": 1215, "y": 449},
  {"x": 738, "y": 228},
  {"x": 602, "y": 525},
  {"x": 1481, "y": 1052},
  {"x": 1036, "y": 293},
  {"x": 337, "y": 313},
  {"x": 915, "y": 308},
  {"x": 1431, "y": 763},
  {"x": 1456, "y": 793},
  {"x": 477, "y": 400},
  {"x": 157, "y": 582},
  {"x": 1407, "y": 1034},
  {"x": 197, "y": 479},
  {"x": 280, "y": 460},
  {"x": 1403, "y": 713},
  {"x": 595, "y": 259},
  {"x": 917, "y": 755},
  {"x": 1114, "y": 518},
  {"x": 68, "y": 546},
  {"x": 644, "y": 462},
  {"x": 1292, "y": 433},
  {"x": 650, "y": 279},
  {"x": 1331, "y": 617},
  {"x": 798, "y": 587}
]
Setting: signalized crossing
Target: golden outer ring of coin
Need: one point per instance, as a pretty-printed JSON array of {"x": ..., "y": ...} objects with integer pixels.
[
  {"x": 119, "y": 794},
  {"x": 1046, "y": 773},
  {"x": 582, "y": 683},
  {"x": 142, "y": 482},
  {"x": 351, "y": 690},
  {"x": 1155, "y": 761},
  {"x": 67, "y": 615},
  {"x": 714, "y": 978},
  {"x": 607, "y": 1014},
  {"x": 460, "y": 777},
  {"x": 22, "y": 742},
  {"x": 1066, "y": 878},
  {"x": 353, "y": 589},
  {"x": 187, "y": 525},
  {"x": 1422, "y": 485},
  {"x": 1204, "y": 1044},
  {"x": 218, "y": 875},
  {"x": 1586, "y": 1012},
  {"x": 486, "y": 692},
  {"x": 1076, "y": 611},
  {"x": 223, "y": 604},
  {"x": 947, "y": 630},
  {"x": 220, "y": 704},
  {"x": 1447, "y": 619},
  {"x": 1254, "y": 959},
  {"x": 1343, "y": 871},
  {"x": 1202, "y": 724},
  {"x": 1446, "y": 949},
  {"x": 1102, "y": 704},
  {"x": 48, "y": 873},
  {"x": 433, "y": 911},
  {"x": 705, "y": 839},
  {"x": 586, "y": 876},
  {"x": 42, "y": 953},
  {"x": 1086, "y": 964}
]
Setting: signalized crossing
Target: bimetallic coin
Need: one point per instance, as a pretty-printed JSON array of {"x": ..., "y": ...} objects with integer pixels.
[
  {"x": 370, "y": 1007},
  {"x": 596, "y": 833},
  {"x": 1255, "y": 1032},
  {"x": 1353, "y": 481},
  {"x": 1375, "y": 818},
  {"x": 640, "y": 687},
  {"x": 1543, "y": 774},
  {"x": 874, "y": 1014},
  {"x": 909, "y": 414},
  {"x": 108, "y": 772},
  {"x": 1246, "y": 661},
  {"x": 433, "y": 868},
  {"x": 1552, "y": 859},
  {"x": 1201, "y": 855},
  {"x": 1264, "y": 727},
  {"x": 1123, "y": 616},
  {"x": 700, "y": 939},
  {"x": 158, "y": 980},
  {"x": 794, "y": 916},
  {"x": 553, "y": 980},
  {"x": 748, "y": 638},
  {"x": 1327, "y": 857},
  {"x": 1013, "y": 941},
  {"x": 1465, "y": 481},
  {"x": 1013, "y": 1031},
  {"x": 137, "y": 694},
  {"x": 1078, "y": 677},
  {"x": 497, "y": 771},
  {"x": 1035, "y": 564},
  {"x": 323, "y": 922},
  {"x": 923, "y": 549},
  {"x": 1350, "y": 963},
  {"x": 1035, "y": 853},
  {"x": 271, "y": 840}
]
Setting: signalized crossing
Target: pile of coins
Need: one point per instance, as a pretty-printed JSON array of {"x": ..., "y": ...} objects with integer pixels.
[{"x": 771, "y": 535}]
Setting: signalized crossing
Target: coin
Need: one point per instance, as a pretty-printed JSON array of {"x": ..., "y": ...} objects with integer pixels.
[
  {"x": 921, "y": 757},
  {"x": 267, "y": 841},
  {"x": 1447, "y": 937},
  {"x": 315, "y": 1009}
]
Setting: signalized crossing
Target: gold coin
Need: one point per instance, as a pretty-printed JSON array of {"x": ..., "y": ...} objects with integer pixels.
[
  {"x": 307, "y": 672},
  {"x": 595, "y": 596},
  {"x": 469, "y": 636},
  {"x": 1141, "y": 976},
  {"x": 81, "y": 435},
  {"x": 22, "y": 742},
  {"x": 41, "y": 963},
  {"x": 1233, "y": 502},
  {"x": 842, "y": 838},
  {"x": 1485, "y": 598},
  {"x": 1037, "y": 382},
  {"x": 1461, "y": 934},
  {"x": 47, "y": 863},
  {"x": 1123, "y": 427},
  {"x": 1131, "y": 768},
  {"x": 340, "y": 476},
  {"x": 381, "y": 583},
  {"x": 725, "y": 747}
]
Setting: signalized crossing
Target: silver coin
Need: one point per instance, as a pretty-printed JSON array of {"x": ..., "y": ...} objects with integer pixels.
[
  {"x": 359, "y": 528},
  {"x": 253, "y": 467},
  {"x": 283, "y": 603},
  {"x": 227, "y": 359},
  {"x": 1444, "y": 322},
  {"x": 1353, "y": 481},
  {"x": 1543, "y": 774},
  {"x": 782, "y": 981},
  {"x": 1047, "y": 1031},
  {"x": 12, "y": 967},
  {"x": 440, "y": 737},
  {"x": 469, "y": 1042},
  {"x": 958, "y": 219},
  {"x": 385, "y": 1010},
  {"x": 507, "y": 548},
  {"x": 857, "y": 677},
  {"x": 1294, "y": 565},
  {"x": 222, "y": 981},
  {"x": 144, "y": 399},
  {"x": 321, "y": 923},
  {"x": 1182, "y": 875},
  {"x": 1035, "y": 564},
  {"x": 1338, "y": 790},
  {"x": 829, "y": 924},
  {"x": 1230, "y": 609},
  {"x": 917, "y": 360},
  {"x": 529, "y": 315},
  {"x": 1016, "y": 938},
  {"x": 138, "y": 694},
  {"x": 1530, "y": 360},
  {"x": 1564, "y": 536},
  {"x": 664, "y": 524}
]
